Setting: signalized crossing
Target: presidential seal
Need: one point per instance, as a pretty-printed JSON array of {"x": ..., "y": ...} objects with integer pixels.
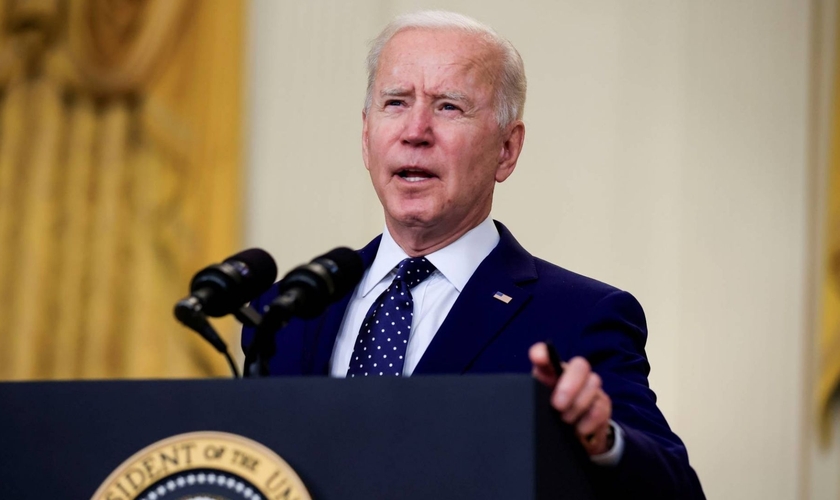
[{"x": 203, "y": 466}]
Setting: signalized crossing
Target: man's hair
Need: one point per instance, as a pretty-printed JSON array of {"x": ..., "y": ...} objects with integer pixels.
[{"x": 510, "y": 87}]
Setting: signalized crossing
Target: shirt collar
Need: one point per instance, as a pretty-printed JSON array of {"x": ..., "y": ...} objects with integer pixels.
[{"x": 457, "y": 261}]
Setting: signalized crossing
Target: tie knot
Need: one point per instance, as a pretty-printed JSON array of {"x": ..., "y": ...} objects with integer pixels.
[{"x": 412, "y": 271}]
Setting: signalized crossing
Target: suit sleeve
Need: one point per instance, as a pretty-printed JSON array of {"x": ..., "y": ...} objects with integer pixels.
[{"x": 655, "y": 462}]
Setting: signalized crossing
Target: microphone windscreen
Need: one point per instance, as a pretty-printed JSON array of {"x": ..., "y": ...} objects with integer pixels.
[
  {"x": 345, "y": 266},
  {"x": 224, "y": 288},
  {"x": 257, "y": 270}
]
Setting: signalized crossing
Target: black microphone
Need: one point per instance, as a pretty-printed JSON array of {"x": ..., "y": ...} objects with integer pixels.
[
  {"x": 307, "y": 290},
  {"x": 221, "y": 289},
  {"x": 224, "y": 288}
]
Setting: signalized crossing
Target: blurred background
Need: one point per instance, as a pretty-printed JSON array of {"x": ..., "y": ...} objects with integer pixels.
[{"x": 687, "y": 151}]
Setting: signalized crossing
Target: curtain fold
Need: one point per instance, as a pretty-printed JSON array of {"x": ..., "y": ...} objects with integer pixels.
[
  {"x": 828, "y": 383},
  {"x": 120, "y": 172}
]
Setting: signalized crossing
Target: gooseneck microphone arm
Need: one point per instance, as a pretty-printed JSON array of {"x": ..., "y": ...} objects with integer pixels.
[
  {"x": 260, "y": 352},
  {"x": 189, "y": 313},
  {"x": 197, "y": 322}
]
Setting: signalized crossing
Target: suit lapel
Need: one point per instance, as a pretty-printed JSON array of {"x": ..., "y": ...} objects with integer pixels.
[
  {"x": 323, "y": 332},
  {"x": 477, "y": 317}
]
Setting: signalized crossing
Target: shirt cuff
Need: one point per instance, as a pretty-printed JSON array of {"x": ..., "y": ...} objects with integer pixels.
[{"x": 612, "y": 456}]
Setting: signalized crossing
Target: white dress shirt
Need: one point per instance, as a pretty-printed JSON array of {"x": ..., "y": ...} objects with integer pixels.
[{"x": 433, "y": 299}]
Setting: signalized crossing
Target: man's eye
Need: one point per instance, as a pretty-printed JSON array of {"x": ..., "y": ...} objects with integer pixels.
[
  {"x": 449, "y": 107},
  {"x": 393, "y": 102}
]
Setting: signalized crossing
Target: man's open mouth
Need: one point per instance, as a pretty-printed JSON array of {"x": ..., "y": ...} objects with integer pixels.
[{"x": 415, "y": 174}]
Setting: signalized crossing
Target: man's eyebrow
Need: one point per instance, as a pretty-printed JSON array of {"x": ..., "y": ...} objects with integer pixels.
[
  {"x": 395, "y": 92},
  {"x": 402, "y": 92},
  {"x": 452, "y": 96}
]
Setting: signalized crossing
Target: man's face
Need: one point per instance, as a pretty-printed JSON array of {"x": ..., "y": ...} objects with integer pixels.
[{"x": 430, "y": 139}]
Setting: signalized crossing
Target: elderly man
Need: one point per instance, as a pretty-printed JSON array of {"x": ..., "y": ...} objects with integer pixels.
[{"x": 448, "y": 290}]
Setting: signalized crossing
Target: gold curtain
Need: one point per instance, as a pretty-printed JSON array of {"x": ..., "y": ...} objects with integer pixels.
[
  {"x": 829, "y": 376},
  {"x": 119, "y": 178}
]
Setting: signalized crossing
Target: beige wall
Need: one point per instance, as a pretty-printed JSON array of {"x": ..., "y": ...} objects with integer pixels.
[{"x": 666, "y": 153}]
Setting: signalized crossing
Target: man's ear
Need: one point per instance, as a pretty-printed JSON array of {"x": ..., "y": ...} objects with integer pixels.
[
  {"x": 365, "y": 139},
  {"x": 512, "y": 140}
]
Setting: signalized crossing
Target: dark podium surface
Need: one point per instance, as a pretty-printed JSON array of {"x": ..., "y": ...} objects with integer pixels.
[{"x": 470, "y": 437}]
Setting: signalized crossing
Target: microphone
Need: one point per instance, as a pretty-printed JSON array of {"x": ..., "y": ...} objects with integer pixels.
[
  {"x": 221, "y": 289},
  {"x": 304, "y": 292},
  {"x": 307, "y": 290},
  {"x": 224, "y": 288}
]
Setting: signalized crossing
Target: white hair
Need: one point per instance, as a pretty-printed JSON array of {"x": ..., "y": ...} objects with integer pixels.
[{"x": 511, "y": 87}]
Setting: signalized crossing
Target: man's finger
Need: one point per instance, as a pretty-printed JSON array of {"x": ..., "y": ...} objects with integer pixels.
[
  {"x": 584, "y": 400},
  {"x": 597, "y": 417},
  {"x": 576, "y": 371},
  {"x": 542, "y": 370}
]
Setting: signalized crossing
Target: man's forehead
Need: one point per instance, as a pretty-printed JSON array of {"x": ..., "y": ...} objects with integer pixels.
[
  {"x": 453, "y": 47},
  {"x": 440, "y": 53}
]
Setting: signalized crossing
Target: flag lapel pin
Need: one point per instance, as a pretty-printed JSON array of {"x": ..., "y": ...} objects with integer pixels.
[{"x": 504, "y": 298}]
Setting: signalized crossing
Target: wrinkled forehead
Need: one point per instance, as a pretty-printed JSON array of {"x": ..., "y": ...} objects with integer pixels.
[{"x": 441, "y": 52}]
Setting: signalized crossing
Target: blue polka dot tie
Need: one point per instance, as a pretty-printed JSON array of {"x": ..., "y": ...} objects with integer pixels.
[{"x": 383, "y": 338}]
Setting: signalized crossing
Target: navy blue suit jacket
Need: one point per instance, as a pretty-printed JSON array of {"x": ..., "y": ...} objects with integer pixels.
[{"x": 481, "y": 334}]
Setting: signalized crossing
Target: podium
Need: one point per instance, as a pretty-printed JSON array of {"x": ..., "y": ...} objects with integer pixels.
[{"x": 447, "y": 437}]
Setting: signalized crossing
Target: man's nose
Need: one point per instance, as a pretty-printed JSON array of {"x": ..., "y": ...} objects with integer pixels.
[{"x": 418, "y": 127}]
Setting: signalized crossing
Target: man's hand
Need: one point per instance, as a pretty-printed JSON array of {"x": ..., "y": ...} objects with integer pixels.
[{"x": 578, "y": 396}]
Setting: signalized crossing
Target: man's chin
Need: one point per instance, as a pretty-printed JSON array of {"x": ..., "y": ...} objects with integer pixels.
[
  {"x": 413, "y": 220},
  {"x": 419, "y": 217}
]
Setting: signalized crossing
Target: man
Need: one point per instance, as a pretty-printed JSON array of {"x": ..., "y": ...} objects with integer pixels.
[{"x": 442, "y": 124}]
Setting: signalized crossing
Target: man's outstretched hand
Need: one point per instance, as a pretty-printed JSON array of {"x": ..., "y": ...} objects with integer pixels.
[{"x": 578, "y": 396}]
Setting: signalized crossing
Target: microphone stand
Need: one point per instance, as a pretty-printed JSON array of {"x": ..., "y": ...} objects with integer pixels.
[
  {"x": 263, "y": 347},
  {"x": 259, "y": 354}
]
